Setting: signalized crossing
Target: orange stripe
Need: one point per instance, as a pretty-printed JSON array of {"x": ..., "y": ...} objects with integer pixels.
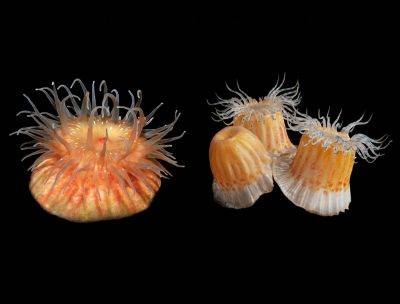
[{"x": 301, "y": 155}]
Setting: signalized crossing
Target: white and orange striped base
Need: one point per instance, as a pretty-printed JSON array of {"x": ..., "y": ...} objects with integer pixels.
[
  {"x": 242, "y": 196},
  {"x": 316, "y": 178}
]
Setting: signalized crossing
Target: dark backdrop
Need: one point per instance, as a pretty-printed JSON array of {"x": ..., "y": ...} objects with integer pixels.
[{"x": 341, "y": 62}]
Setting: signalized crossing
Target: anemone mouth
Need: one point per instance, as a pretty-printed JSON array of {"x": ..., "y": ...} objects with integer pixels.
[
  {"x": 104, "y": 130},
  {"x": 279, "y": 99},
  {"x": 264, "y": 105},
  {"x": 333, "y": 135},
  {"x": 100, "y": 129}
]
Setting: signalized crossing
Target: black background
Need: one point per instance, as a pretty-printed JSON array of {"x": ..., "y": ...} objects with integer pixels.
[{"x": 345, "y": 61}]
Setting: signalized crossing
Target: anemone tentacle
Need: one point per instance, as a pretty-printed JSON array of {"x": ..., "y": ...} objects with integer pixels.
[
  {"x": 279, "y": 99},
  {"x": 333, "y": 135},
  {"x": 48, "y": 124},
  {"x": 95, "y": 161}
]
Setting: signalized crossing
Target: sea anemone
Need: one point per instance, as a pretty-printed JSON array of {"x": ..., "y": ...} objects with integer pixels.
[
  {"x": 241, "y": 168},
  {"x": 95, "y": 164},
  {"x": 317, "y": 178},
  {"x": 264, "y": 117}
]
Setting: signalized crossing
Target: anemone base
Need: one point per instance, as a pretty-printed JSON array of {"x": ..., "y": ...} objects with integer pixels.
[
  {"x": 317, "y": 201},
  {"x": 242, "y": 197}
]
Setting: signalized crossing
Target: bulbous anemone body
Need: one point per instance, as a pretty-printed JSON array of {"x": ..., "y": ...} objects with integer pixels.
[
  {"x": 94, "y": 164},
  {"x": 317, "y": 178},
  {"x": 241, "y": 168}
]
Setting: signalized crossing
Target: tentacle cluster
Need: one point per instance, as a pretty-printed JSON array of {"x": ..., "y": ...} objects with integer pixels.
[
  {"x": 331, "y": 134},
  {"x": 279, "y": 99},
  {"x": 48, "y": 135}
]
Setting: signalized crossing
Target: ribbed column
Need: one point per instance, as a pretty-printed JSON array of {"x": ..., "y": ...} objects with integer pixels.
[
  {"x": 241, "y": 167},
  {"x": 319, "y": 168},
  {"x": 270, "y": 130},
  {"x": 92, "y": 195}
]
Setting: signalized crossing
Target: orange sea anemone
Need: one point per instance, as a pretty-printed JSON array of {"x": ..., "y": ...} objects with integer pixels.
[
  {"x": 95, "y": 164},
  {"x": 317, "y": 178},
  {"x": 241, "y": 168},
  {"x": 265, "y": 117}
]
